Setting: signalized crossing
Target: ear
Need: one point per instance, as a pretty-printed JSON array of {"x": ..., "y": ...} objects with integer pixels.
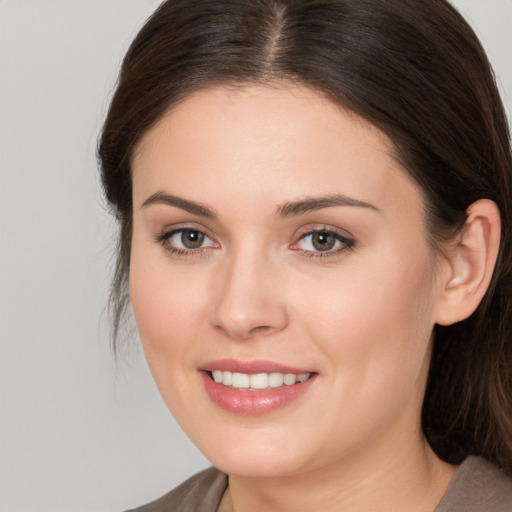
[{"x": 469, "y": 264}]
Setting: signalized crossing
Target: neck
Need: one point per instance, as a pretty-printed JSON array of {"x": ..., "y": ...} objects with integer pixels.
[{"x": 411, "y": 478}]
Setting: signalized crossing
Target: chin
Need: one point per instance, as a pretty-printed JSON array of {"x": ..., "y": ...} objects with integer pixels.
[
  {"x": 258, "y": 465},
  {"x": 257, "y": 455}
]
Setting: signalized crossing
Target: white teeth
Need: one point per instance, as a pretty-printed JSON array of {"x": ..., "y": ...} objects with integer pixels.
[
  {"x": 289, "y": 379},
  {"x": 227, "y": 378},
  {"x": 240, "y": 380},
  {"x": 275, "y": 380},
  {"x": 258, "y": 380}
]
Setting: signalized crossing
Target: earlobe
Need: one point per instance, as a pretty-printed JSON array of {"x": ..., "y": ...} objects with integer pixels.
[{"x": 470, "y": 263}]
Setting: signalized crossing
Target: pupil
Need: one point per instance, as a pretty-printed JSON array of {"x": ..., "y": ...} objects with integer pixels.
[
  {"x": 323, "y": 241},
  {"x": 192, "y": 239}
]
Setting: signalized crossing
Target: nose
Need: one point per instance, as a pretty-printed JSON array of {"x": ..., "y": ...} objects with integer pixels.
[{"x": 248, "y": 297}]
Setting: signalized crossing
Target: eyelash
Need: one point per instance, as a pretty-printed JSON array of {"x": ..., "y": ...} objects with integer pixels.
[
  {"x": 347, "y": 244},
  {"x": 164, "y": 240}
]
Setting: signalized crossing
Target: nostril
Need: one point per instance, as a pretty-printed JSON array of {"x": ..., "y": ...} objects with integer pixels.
[{"x": 261, "y": 328}]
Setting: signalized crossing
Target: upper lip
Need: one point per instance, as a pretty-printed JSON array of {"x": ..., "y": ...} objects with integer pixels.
[{"x": 251, "y": 367}]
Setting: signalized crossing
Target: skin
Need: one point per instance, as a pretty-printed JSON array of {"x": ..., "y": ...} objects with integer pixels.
[{"x": 360, "y": 315}]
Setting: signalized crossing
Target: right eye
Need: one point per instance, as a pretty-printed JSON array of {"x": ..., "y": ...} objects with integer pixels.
[{"x": 185, "y": 240}]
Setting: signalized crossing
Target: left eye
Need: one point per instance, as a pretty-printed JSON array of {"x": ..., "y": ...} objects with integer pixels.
[
  {"x": 323, "y": 241},
  {"x": 188, "y": 239}
]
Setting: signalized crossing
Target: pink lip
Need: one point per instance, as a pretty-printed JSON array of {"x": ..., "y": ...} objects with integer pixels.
[
  {"x": 251, "y": 367},
  {"x": 252, "y": 403}
]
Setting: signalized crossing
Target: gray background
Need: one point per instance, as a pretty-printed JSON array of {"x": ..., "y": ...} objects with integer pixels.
[{"x": 80, "y": 432}]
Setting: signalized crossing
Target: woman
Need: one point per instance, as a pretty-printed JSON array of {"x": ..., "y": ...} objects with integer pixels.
[{"x": 314, "y": 207}]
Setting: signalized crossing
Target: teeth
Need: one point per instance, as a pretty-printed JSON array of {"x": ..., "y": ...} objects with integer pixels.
[
  {"x": 289, "y": 379},
  {"x": 258, "y": 380},
  {"x": 240, "y": 380},
  {"x": 275, "y": 380},
  {"x": 227, "y": 378}
]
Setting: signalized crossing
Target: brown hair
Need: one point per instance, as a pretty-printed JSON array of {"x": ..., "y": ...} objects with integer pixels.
[{"x": 414, "y": 69}]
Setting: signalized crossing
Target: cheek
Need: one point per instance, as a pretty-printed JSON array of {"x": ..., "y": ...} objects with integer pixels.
[
  {"x": 374, "y": 326},
  {"x": 165, "y": 304}
]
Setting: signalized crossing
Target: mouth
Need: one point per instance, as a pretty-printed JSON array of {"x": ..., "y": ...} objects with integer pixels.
[
  {"x": 255, "y": 387},
  {"x": 257, "y": 381}
]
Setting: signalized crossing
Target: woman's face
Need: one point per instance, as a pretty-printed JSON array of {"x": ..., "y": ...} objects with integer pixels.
[{"x": 275, "y": 236}]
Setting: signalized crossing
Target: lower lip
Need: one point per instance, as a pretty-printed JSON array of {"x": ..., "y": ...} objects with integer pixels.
[{"x": 253, "y": 403}]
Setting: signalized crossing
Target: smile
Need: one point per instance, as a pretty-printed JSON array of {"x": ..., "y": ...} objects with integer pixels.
[
  {"x": 257, "y": 381},
  {"x": 253, "y": 388}
]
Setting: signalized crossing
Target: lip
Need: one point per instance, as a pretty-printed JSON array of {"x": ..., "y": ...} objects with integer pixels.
[
  {"x": 251, "y": 367},
  {"x": 247, "y": 402}
]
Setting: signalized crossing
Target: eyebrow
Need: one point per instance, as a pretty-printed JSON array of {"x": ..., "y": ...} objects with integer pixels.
[
  {"x": 290, "y": 209},
  {"x": 183, "y": 204},
  {"x": 313, "y": 204}
]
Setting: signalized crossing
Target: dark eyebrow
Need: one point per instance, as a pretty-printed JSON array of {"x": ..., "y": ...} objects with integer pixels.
[
  {"x": 178, "y": 202},
  {"x": 319, "y": 203}
]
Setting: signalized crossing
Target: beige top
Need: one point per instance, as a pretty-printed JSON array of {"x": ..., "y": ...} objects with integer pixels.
[{"x": 477, "y": 486}]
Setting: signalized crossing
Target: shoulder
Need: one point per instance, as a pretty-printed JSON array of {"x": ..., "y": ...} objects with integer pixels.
[
  {"x": 478, "y": 486},
  {"x": 200, "y": 493}
]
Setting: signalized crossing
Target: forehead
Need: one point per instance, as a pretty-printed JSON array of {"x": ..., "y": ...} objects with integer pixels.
[{"x": 254, "y": 140}]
